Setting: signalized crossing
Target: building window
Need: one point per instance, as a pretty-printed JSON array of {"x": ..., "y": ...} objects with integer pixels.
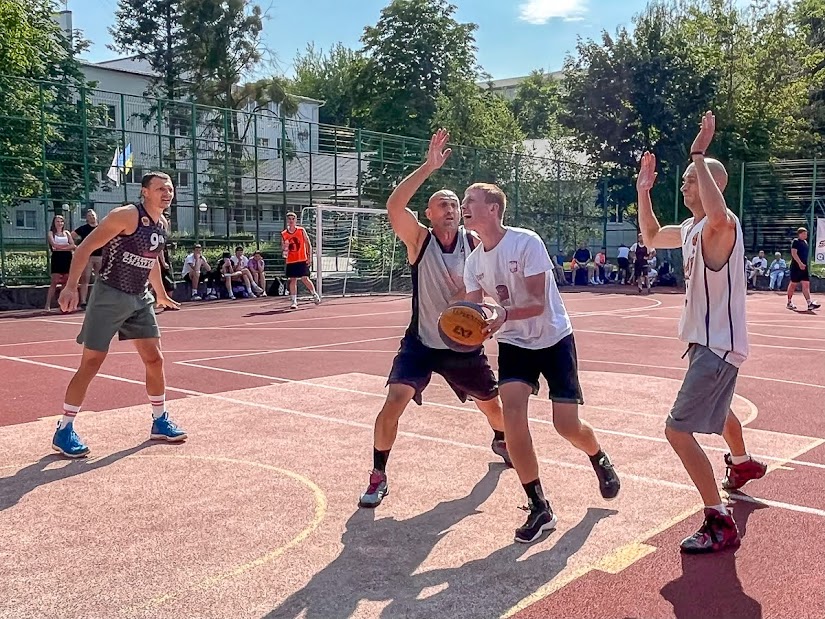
[
  {"x": 183, "y": 179},
  {"x": 263, "y": 142},
  {"x": 26, "y": 219},
  {"x": 111, "y": 116},
  {"x": 135, "y": 175}
]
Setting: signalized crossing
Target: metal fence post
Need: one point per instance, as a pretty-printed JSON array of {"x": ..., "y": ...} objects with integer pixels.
[
  {"x": 283, "y": 162},
  {"x": 43, "y": 169},
  {"x": 123, "y": 144},
  {"x": 358, "y": 182},
  {"x": 226, "y": 209},
  {"x": 160, "y": 134},
  {"x": 195, "y": 205},
  {"x": 604, "y": 213},
  {"x": 676, "y": 195},
  {"x": 309, "y": 148},
  {"x": 742, "y": 193},
  {"x": 257, "y": 198},
  {"x": 811, "y": 229},
  {"x": 517, "y": 188},
  {"x": 335, "y": 163},
  {"x": 85, "y": 120}
]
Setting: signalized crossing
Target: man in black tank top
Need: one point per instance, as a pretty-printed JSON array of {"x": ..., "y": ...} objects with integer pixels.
[
  {"x": 132, "y": 237},
  {"x": 468, "y": 374}
]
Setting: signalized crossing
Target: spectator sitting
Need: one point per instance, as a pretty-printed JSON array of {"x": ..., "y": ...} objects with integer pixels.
[
  {"x": 760, "y": 267},
  {"x": 583, "y": 259},
  {"x": 256, "y": 268},
  {"x": 600, "y": 263},
  {"x": 230, "y": 274},
  {"x": 241, "y": 263},
  {"x": 777, "y": 271},
  {"x": 749, "y": 269},
  {"x": 652, "y": 270},
  {"x": 193, "y": 266}
]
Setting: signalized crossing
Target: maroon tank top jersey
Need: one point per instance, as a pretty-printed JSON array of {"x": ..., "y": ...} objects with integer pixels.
[{"x": 128, "y": 259}]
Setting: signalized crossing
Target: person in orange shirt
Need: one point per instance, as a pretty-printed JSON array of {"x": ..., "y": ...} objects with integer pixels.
[{"x": 298, "y": 252}]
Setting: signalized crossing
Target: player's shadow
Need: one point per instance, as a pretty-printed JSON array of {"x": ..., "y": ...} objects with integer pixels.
[
  {"x": 380, "y": 560},
  {"x": 715, "y": 577},
  {"x": 29, "y": 478}
]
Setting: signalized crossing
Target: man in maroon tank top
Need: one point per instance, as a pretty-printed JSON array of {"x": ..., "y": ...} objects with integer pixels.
[{"x": 132, "y": 237}]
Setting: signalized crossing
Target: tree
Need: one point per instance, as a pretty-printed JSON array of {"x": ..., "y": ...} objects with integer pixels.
[
  {"x": 333, "y": 78},
  {"x": 810, "y": 16},
  {"x": 536, "y": 105},
  {"x": 416, "y": 53},
  {"x": 222, "y": 46},
  {"x": 46, "y": 109}
]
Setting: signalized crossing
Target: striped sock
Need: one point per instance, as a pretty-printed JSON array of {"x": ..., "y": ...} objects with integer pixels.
[
  {"x": 69, "y": 413},
  {"x": 158, "y": 403}
]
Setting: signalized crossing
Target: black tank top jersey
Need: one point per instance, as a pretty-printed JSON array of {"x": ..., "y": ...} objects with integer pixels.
[
  {"x": 128, "y": 259},
  {"x": 641, "y": 254}
]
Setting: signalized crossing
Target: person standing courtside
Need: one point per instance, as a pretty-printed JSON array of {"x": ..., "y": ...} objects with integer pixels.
[
  {"x": 132, "y": 238},
  {"x": 714, "y": 326},
  {"x": 93, "y": 268},
  {"x": 799, "y": 270},
  {"x": 437, "y": 257},
  {"x": 298, "y": 254}
]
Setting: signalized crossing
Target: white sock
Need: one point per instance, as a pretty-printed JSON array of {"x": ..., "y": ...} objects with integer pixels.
[
  {"x": 720, "y": 508},
  {"x": 69, "y": 413},
  {"x": 295, "y": 298},
  {"x": 158, "y": 403},
  {"x": 740, "y": 459}
]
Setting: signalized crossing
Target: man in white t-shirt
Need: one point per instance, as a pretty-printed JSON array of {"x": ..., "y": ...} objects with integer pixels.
[
  {"x": 535, "y": 338},
  {"x": 193, "y": 266},
  {"x": 624, "y": 263},
  {"x": 714, "y": 325}
]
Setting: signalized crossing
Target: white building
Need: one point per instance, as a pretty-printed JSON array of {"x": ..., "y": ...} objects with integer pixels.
[{"x": 131, "y": 121}]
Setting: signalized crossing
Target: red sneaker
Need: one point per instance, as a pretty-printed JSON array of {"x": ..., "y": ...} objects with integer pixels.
[
  {"x": 717, "y": 532},
  {"x": 737, "y": 475}
]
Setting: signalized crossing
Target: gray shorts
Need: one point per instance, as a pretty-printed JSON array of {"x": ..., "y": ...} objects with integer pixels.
[
  {"x": 112, "y": 311},
  {"x": 706, "y": 394}
]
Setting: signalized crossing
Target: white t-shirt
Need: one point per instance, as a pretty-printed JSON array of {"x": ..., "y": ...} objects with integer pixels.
[
  {"x": 501, "y": 274},
  {"x": 244, "y": 262},
  {"x": 189, "y": 265},
  {"x": 624, "y": 252},
  {"x": 761, "y": 263}
]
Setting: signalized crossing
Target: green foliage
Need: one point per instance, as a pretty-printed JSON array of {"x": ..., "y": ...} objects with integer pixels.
[
  {"x": 333, "y": 78},
  {"x": 416, "y": 53},
  {"x": 51, "y": 120},
  {"x": 810, "y": 15},
  {"x": 536, "y": 106}
]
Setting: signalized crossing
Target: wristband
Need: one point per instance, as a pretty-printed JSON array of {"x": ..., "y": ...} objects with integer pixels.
[{"x": 505, "y": 313}]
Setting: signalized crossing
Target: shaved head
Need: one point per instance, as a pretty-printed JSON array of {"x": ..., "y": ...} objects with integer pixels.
[
  {"x": 443, "y": 194},
  {"x": 717, "y": 171}
]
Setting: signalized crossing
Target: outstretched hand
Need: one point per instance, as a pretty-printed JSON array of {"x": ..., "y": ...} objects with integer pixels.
[
  {"x": 703, "y": 139},
  {"x": 437, "y": 154},
  {"x": 647, "y": 172}
]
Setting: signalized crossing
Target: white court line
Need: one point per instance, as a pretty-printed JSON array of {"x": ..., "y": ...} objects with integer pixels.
[
  {"x": 286, "y": 328},
  {"x": 655, "y": 439},
  {"x": 134, "y": 352},
  {"x": 423, "y": 437},
  {"x": 671, "y": 337},
  {"x": 465, "y": 409},
  {"x": 736, "y": 496},
  {"x": 581, "y": 360},
  {"x": 299, "y": 348}
]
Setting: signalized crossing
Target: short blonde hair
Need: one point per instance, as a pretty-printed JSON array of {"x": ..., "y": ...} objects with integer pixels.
[{"x": 492, "y": 194}]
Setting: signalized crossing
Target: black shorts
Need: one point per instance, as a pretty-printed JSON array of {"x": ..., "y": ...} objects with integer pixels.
[
  {"x": 799, "y": 275},
  {"x": 558, "y": 364},
  {"x": 640, "y": 268},
  {"x": 623, "y": 263},
  {"x": 468, "y": 374},
  {"x": 297, "y": 269}
]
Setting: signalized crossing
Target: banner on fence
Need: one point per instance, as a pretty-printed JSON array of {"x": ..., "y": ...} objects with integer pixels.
[{"x": 819, "y": 254}]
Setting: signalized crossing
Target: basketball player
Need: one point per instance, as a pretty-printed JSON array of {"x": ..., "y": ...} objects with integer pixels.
[
  {"x": 437, "y": 257},
  {"x": 132, "y": 238},
  {"x": 535, "y": 337},
  {"x": 713, "y": 324},
  {"x": 298, "y": 254}
]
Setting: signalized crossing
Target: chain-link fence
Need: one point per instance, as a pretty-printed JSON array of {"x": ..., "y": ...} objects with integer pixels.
[{"x": 238, "y": 172}]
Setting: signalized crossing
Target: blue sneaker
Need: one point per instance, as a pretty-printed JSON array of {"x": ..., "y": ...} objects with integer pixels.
[
  {"x": 67, "y": 442},
  {"x": 165, "y": 429}
]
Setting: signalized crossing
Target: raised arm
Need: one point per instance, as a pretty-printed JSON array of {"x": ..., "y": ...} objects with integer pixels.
[
  {"x": 402, "y": 219},
  {"x": 655, "y": 236}
]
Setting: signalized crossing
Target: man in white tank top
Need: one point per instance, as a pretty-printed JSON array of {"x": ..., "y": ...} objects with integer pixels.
[
  {"x": 437, "y": 258},
  {"x": 535, "y": 338},
  {"x": 714, "y": 325}
]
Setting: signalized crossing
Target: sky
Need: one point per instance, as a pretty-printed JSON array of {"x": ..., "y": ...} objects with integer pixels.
[{"x": 513, "y": 37}]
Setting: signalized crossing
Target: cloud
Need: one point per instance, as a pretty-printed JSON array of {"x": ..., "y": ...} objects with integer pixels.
[{"x": 542, "y": 11}]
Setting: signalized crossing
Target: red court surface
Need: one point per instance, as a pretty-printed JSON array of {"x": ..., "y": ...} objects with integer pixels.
[{"x": 256, "y": 515}]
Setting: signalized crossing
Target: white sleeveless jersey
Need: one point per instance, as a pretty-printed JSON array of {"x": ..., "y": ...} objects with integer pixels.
[{"x": 714, "y": 314}]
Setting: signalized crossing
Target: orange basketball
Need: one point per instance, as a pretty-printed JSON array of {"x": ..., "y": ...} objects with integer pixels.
[{"x": 460, "y": 326}]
